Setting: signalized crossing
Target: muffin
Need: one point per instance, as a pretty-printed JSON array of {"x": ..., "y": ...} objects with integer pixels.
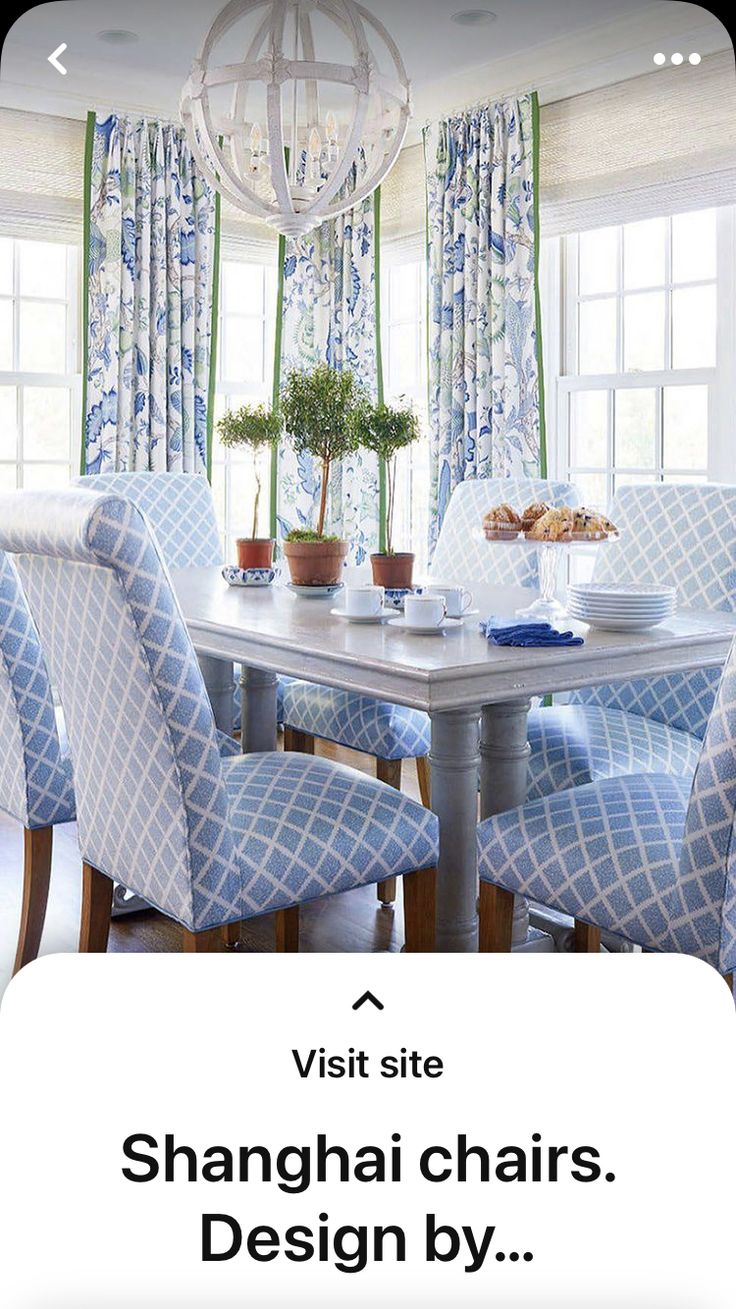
[
  {"x": 532, "y": 513},
  {"x": 554, "y": 525},
  {"x": 591, "y": 526},
  {"x": 501, "y": 523}
]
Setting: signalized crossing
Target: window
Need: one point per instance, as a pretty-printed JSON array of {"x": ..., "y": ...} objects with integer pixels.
[
  {"x": 244, "y": 376},
  {"x": 40, "y": 381},
  {"x": 404, "y": 316}
]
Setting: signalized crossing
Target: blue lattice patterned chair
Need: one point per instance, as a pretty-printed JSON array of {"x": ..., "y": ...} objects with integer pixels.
[
  {"x": 648, "y": 857},
  {"x": 681, "y": 535},
  {"x": 392, "y": 733},
  {"x": 35, "y": 771},
  {"x": 207, "y": 840},
  {"x": 181, "y": 511}
]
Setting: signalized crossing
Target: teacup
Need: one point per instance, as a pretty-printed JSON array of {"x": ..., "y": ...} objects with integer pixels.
[
  {"x": 363, "y": 601},
  {"x": 425, "y": 610},
  {"x": 457, "y": 598}
]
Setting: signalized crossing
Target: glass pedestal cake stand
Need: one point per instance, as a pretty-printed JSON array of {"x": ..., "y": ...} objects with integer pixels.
[{"x": 550, "y": 554}]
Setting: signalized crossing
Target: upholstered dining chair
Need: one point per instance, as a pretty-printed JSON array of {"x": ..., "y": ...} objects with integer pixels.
[
  {"x": 648, "y": 857},
  {"x": 35, "y": 770},
  {"x": 206, "y": 840},
  {"x": 394, "y": 733},
  {"x": 681, "y": 535}
]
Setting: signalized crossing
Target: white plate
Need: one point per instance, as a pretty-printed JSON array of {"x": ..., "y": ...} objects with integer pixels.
[
  {"x": 640, "y": 591},
  {"x": 315, "y": 592},
  {"x": 613, "y": 611},
  {"x": 620, "y": 624},
  {"x": 615, "y": 602},
  {"x": 447, "y": 625},
  {"x": 372, "y": 618}
]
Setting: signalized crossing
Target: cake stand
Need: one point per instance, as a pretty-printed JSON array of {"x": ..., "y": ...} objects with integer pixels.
[{"x": 550, "y": 554}]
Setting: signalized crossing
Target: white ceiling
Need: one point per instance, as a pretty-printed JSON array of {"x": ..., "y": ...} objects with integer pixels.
[{"x": 560, "y": 46}]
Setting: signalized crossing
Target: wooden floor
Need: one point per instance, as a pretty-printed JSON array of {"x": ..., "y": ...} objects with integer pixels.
[{"x": 352, "y": 922}]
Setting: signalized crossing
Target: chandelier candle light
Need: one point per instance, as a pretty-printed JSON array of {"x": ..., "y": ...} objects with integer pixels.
[{"x": 299, "y": 138}]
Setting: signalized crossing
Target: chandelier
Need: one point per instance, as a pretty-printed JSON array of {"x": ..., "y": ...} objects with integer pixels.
[{"x": 309, "y": 121}]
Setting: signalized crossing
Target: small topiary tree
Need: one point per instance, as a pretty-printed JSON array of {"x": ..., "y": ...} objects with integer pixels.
[
  {"x": 385, "y": 430},
  {"x": 318, "y": 410},
  {"x": 257, "y": 427}
]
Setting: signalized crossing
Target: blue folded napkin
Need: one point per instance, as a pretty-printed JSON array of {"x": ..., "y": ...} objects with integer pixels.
[{"x": 527, "y": 634}]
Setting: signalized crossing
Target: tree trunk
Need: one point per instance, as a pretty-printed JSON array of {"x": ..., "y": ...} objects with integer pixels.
[{"x": 323, "y": 496}]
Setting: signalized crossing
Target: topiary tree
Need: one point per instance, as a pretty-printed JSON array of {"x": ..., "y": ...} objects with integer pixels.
[
  {"x": 257, "y": 427},
  {"x": 318, "y": 410},
  {"x": 385, "y": 430}
]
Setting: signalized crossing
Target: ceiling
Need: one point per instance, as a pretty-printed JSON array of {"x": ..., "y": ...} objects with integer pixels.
[{"x": 560, "y": 46}]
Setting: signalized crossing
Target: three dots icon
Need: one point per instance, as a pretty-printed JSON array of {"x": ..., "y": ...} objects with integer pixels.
[{"x": 676, "y": 58}]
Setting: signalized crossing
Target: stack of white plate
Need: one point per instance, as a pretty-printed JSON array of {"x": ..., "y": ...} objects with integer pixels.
[{"x": 618, "y": 608}]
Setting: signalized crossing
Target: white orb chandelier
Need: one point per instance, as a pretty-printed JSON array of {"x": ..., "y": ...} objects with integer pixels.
[{"x": 287, "y": 135}]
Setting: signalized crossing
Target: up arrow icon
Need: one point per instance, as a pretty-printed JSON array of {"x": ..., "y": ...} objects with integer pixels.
[{"x": 367, "y": 995}]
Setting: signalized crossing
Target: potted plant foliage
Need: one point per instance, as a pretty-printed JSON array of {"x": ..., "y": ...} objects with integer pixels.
[
  {"x": 385, "y": 430},
  {"x": 318, "y": 410},
  {"x": 259, "y": 428}
]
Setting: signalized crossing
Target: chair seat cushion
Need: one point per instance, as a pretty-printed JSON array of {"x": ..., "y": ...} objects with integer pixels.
[
  {"x": 357, "y": 722},
  {"x": 573, "y": 745},
  {"x": 307, "y": 827},
  {"x": 608, "y": 853}
]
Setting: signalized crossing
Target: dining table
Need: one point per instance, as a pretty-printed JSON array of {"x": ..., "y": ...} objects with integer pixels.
[{"x": 477, "y": 694}]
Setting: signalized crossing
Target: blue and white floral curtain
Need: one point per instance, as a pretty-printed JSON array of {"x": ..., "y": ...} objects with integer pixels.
[
  {"x": 484, "y": 385},
  {"x": 329, "y": 316},
  {"x": 151, "y": 255}
]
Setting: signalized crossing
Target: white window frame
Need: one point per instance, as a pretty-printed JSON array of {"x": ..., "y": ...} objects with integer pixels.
[
  {"x": 560, "y": 301},
  {"x": 70, "y": 379}
]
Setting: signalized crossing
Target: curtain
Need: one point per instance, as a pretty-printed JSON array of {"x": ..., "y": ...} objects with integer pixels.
[
  {"x": 151, "y": 255},
  {"x": 484, "y": 376},
  {"x": 329, "y": 315}
]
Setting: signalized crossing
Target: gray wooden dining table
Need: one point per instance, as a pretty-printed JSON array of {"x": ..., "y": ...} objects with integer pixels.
[{"x": 477, "y": 695}]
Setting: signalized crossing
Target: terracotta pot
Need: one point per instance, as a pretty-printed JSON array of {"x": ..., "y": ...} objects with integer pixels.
[
  {"x": 392, "y": 571},
  {"x": 254, "y": 554},
  {"x": 315, "y": 563}
]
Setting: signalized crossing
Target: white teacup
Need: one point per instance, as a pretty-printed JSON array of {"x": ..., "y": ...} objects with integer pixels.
[
  {"x": 457, "y": 598},
  {"x": 363, "y": 601},
  {"x": 425, "y": 610}
]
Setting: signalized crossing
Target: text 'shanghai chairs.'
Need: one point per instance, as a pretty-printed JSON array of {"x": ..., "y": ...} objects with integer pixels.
[{"x": 207, "y": 840}]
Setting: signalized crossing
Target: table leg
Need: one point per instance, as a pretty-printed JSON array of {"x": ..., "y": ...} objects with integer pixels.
[
  {"x": 454, "y": 763},
  {"x": 504, "y": 766},
  {"x": 258, "y": 710},
  {"x": 218, "y": 679}
]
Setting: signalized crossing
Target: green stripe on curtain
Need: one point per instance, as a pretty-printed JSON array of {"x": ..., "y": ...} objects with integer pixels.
[
  {"x": 277, "y": 384},
  {"x": 214, "y": 335},
  {"x": 88, "y": 145},
  {"x": 537, "y": 298},
  {"x": 379, "y": 360}
]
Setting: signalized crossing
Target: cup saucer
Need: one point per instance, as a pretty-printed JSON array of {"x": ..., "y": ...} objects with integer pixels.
[
  {"x": 447, "y": 625},
  {"x": 363, "y": 618}
]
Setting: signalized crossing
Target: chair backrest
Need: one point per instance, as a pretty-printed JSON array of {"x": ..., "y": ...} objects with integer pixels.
[
  {"x": 684, "y": 536},
  {"x": 35, "y": 780},
  {"x": 704, "y": 920},
  {"x": 151, "y": 803},
  {"x": 462, "y": 554},
  {"x": 179, "y": 508}
]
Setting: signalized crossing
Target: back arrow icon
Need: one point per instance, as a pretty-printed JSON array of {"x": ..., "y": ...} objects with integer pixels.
[{"x": 54, "y": 59}]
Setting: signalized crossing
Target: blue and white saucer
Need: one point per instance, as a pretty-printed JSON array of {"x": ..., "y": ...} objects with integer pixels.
[
  {"x": 248, "y": 576},
  {"x": 394, "y": 596}
]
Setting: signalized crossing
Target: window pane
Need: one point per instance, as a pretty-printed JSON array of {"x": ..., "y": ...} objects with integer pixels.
[
  {"x": 46, "y": 422},
  {"x": 243, "y": 349},
  {"x": 597, "y": 334},
  {"x": 42, "y": 269},
  {"x": 635, "y": 432},
  {"x": 644, "y": 321},
  {"x": 42, "y": 337},
  {"x": 694, "y": 246},
  {"x": 6, "y": 266},
  {"x": 7, "y": 477},
  {"x": 592, "y": 487},
  {"x": 694, "y": 327},
  {"x": 644, "y": 253},
  {"x": 8, "y": 422},
  {"x": 686, "y": 427},
  {"x": 242, "y": 496},
  {"x": 218, "y": 492},
  {"x": 403, "y": 291},
  {"x": 589, "y": 429},
  {"x": 243, "y": 287},
  {"x": 633, "y": 479},
  {"x": 402, "y": 357},
  {"x": 45, "y": 477},
  {"x": 6, "y": 334},
  {"x": 598, "y": 261}
]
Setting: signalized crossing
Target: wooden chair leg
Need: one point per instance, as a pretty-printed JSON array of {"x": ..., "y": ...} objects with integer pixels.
[
  {"x": 202, "y": 942},
  {"x": 37, "y": 846},
  {"x": 496, "y": 919},
  {"x": 231, "y": 936},
  {"x": 587, "y": 938},
  {"x": 728, "y": 979},
  {"x": 96, "y": 911},
  {"x": 287, "y": 931},
  {"x": 423, "y": 777},
  {"x": 298, "y": 742},
  {"x": 388, "y": 771},
  {"x": 420, "y": 911}
]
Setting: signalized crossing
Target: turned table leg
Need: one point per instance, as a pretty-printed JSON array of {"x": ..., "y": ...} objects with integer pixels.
[
  {"x": 258, "y": 710},
  {"x": 217, "y": 675},
  {"x": 504, "y": 769},
  {"x": 454, "y": 771}
]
